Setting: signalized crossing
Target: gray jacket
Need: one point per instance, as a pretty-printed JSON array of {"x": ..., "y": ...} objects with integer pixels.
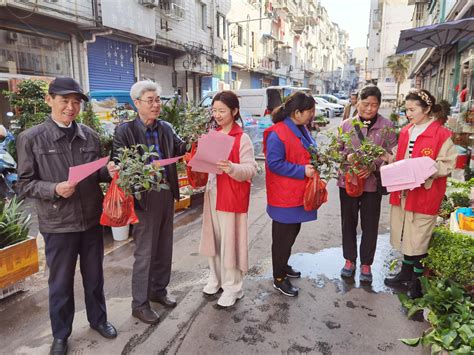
[{"x": 44, "y": 157}]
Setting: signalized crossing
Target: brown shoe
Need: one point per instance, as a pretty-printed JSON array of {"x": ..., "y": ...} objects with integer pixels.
[
  {"x": 146, "y": 315},
  {"x": 165, "y": 300}
]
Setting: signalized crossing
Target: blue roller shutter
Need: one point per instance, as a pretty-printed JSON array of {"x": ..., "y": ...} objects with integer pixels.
[{"x": 111, "y": 64}]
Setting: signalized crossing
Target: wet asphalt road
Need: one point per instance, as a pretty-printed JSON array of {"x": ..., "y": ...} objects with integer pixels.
[{"x": 330, "y": 316}]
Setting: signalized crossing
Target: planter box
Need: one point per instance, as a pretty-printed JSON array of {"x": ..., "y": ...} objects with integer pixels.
[
  {"x": 182, "y": 204},
  {"x": 18, "y": 261}
]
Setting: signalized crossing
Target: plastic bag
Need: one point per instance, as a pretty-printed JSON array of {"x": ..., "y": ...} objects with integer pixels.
[
  {"x": 354, "y": 184},
  {"x": 196, "y": 179},
  {"x": 118, "y": 209},
  {"x": 315, "y": 193}
]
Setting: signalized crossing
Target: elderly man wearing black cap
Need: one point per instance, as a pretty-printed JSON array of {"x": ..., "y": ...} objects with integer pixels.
[{"x": 68, "y": 214}]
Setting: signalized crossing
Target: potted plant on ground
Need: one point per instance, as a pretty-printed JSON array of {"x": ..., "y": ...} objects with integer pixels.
[{"x": 18, "y": 251}]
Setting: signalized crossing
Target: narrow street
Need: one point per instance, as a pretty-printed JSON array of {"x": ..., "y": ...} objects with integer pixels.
[{"x": 330, "y": 316}]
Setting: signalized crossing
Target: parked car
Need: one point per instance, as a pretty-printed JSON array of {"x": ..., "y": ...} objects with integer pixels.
[
  {"x": 337, "y": 109},
  {"x": 321, "y": 111},
  {"x": 333, "y": 99}
]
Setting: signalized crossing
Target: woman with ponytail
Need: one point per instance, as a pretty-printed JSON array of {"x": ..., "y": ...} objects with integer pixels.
[
  {"x": 413, "y": 213},
  {"x": 288, "y": 168},
  {"x": 226, "y": 202}
]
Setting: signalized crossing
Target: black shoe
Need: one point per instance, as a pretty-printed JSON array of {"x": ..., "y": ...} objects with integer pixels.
[
  {"x": 146, "y": 315},
  {"x": 285, "y": 287},
  {"x": 404, "y": 276},
  {"x": 59, "y": 347},
  {"x": 290, "y": 272},
  {"x": 165, "y": 300},
  {"x": 415, "y": 290},
  {"x": 106, "y": 329}
]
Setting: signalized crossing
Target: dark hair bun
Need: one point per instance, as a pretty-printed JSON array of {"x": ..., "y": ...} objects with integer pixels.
[{"x": 436, "y": 108}]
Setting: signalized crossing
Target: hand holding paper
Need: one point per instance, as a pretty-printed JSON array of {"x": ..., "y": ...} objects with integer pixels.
[
  {"x": 407, "y": 174},
  {"x": 212, "y": 147},
  {"x": 80, "y": 172}
]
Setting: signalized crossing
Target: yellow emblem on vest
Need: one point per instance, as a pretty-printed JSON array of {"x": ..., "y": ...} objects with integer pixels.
[{"x": 427, "y": 152}]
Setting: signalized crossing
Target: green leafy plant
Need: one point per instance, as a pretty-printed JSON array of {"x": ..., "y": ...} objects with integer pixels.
[
  {"x": 326, "y": 158},
  {"x": 320, "y": 120},
  {"x": 189, "y": 122},
  {"x": 363, "y": 156},
  {"x": 466, "y": 185},
  {"x": 137, "y": 174},
  {"x": 28, "y": 102},
  {"x": 446, "y": 208},
  {"x": 90, "y": 119},
  {"x": 14, "y": 224},
  {"x": 450, "y": 312},
  {"x": 394, "y": 118},
  {"x": 460, "y": 199},
  {"x": 451, "y": 256}
]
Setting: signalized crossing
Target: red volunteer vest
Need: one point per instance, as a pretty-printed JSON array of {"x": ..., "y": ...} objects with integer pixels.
[
  {"x": 232, "y": 195},
  {"x": 428, "y": 144},
  {"x": 283, "y": 191}
]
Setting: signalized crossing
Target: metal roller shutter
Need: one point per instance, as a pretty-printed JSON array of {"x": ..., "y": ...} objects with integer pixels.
[{"x": 111, "y": 64}]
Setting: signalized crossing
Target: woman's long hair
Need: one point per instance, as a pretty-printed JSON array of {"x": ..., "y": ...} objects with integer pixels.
[
  {"x": 426, "y": 100},
  {"x": 299, "y": 100}
]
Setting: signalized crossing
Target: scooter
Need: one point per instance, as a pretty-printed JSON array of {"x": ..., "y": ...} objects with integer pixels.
[{"x": 8, "y": 176}]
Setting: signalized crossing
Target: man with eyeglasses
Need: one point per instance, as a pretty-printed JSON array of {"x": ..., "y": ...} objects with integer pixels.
[{"x": 153, "y": 234}]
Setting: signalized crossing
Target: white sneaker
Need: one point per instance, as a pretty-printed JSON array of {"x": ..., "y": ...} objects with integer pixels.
[
  {"x": 229, "y": 299},
  {"x": 210, "y": 289}
]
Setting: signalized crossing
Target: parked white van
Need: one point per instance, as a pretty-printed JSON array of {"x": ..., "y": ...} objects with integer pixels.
[{"x": 258, "y": 102}]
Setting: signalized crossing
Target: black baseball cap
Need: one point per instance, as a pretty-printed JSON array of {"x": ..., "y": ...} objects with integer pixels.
[{"x": 65, "y": 85}]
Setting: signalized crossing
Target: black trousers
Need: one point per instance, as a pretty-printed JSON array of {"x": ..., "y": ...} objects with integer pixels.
[
  {"x": 283, "y": 238},
  {"x": 62, "y": 250},
  {"x": 153, "y": 237},
  {"x": 369, "y": 206}
]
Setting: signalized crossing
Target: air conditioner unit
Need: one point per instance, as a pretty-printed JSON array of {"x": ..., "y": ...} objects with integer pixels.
[
  {"x": 148, "y": 3},
  {"x": 12, "y": 36}
]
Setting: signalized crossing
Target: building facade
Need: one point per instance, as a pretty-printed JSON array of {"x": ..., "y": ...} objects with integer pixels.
[
  {"x": 443, "y": 71},
  {"x": 189, "y": 46},
  {"x": 387, "y": 19}
]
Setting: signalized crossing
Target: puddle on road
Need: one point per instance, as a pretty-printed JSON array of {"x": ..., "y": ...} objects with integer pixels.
[{"x": 326, "y": 265}]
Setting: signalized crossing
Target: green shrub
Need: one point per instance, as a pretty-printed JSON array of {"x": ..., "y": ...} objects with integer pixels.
[
  {"x": 460, "y": 199},
  {"x": 29, "y": 104},
  {"x": 393, "y": 117},
  {"x": 451, "y": 256},
  {"x": 450, "y": 313},
  {"x": 89, "y": 118}
]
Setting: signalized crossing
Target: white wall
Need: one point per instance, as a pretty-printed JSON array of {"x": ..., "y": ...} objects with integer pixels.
[
  {"x": 160, "y": 73},
  {"x": 77, "y": 11}
]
